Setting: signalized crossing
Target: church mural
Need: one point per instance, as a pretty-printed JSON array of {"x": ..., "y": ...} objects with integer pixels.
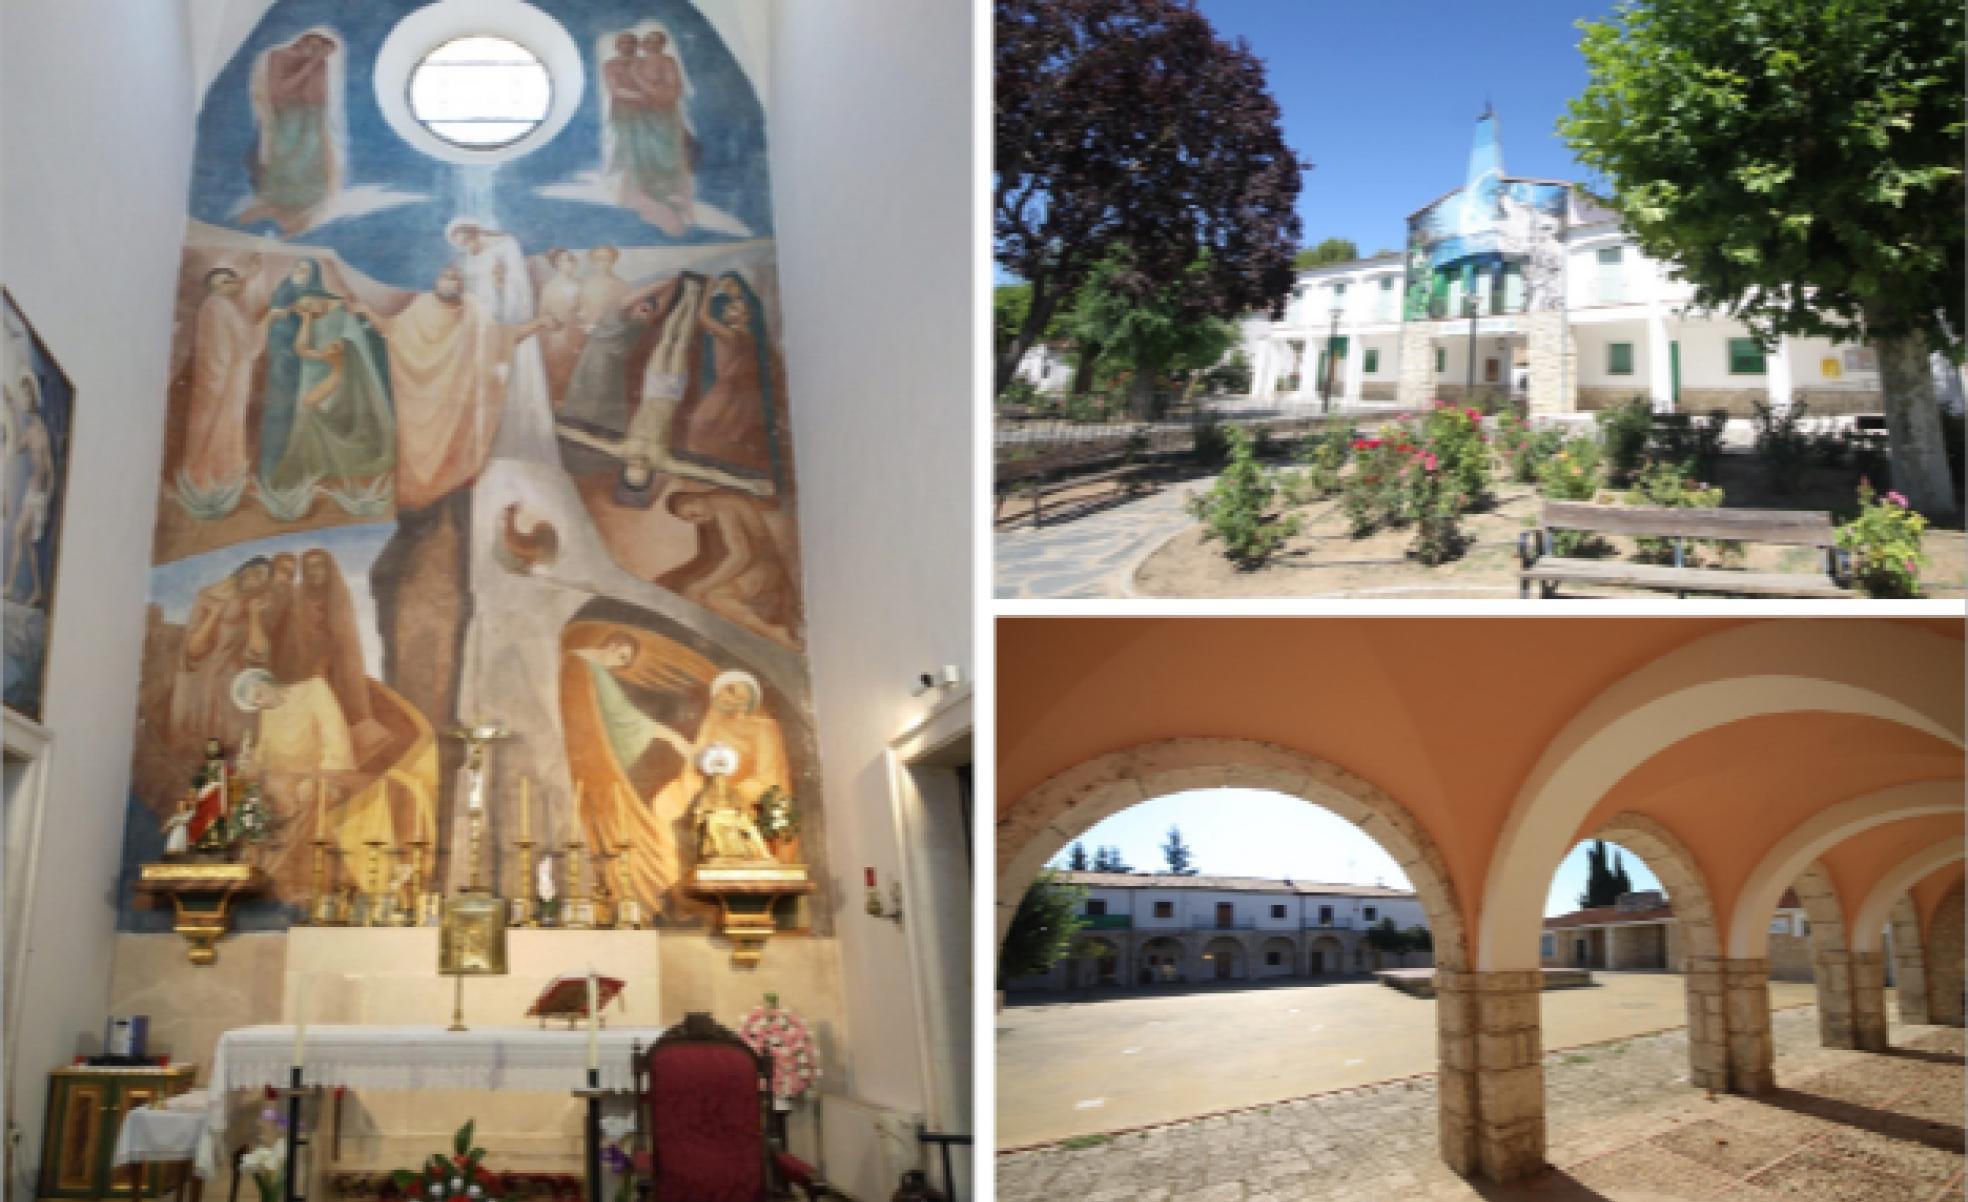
[
  {"x": 1490, "y": 223},
  {"x": 454, "y": 444},
  {"x": 36, "y": 431}
]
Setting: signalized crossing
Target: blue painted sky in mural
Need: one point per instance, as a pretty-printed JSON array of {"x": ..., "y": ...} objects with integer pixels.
[
  {"x": 405, "y": 246},
  {"x": 1383, "y": 98}
]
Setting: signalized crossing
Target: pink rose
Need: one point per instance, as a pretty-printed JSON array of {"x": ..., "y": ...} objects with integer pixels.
[{"x": 1897, "y": 499}]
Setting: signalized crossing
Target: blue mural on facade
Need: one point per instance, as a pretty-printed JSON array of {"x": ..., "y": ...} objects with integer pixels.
[{"x": 1494, "y": 231}]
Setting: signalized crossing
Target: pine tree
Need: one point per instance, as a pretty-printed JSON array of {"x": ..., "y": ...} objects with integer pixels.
[
  {"x": 1078, "y": 861},
  {"x": 1177, "y": 854},
  {"x": 1602, "y": 884},
  {"x": 1624, "y": 881}
]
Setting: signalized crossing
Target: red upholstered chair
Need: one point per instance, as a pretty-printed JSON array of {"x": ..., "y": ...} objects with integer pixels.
[{"x": 703, "y": 1095}]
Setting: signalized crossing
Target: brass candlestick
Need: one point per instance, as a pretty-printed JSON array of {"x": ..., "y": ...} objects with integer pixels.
[
  {"x": 524, "y": 909},
  {"x": 604, "y": 901},
  {"x": 628, "y": 909},
  {"x": 378, "y": 909},
  {"x": 402, "y": 889},
  {"x": 321, "y": 906},
  {"x": 580, "y": 910}
]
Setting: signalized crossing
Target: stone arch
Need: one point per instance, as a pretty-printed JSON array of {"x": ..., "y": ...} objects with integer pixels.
[
  {"x": 1869, "y": 920},
  {"x": 1226, "y": 958},
  {"x": 1909, "y": 961},
  {"x": 1287, "y": 966},
  {"x": 1097, "y": 960},
  {"x": 1161, "y": 960},
  {"x": 1325, "y": 957},
  {"x": 1788, "y": 861},
  {"x": 1051, "y": 815},
  {"x": 1896, "y": 673},
  {"x": 1831, "y": 955},
  {"x": 1703, "y": 973},
  {"x": 1944, "y": 956}
]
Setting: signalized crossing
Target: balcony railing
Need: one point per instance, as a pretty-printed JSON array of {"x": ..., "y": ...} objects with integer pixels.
[{"x": 1106, "y": 922}]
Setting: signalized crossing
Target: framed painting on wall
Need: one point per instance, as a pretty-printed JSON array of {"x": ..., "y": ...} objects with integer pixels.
[{"x": 39, "y": 424}]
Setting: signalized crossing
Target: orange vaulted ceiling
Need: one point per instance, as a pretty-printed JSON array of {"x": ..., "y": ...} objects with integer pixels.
[
  {"x": 1732, "y": 793},
  {"x": 1934, "y": 888},
  {"x": 1447, "y": 715},
  {"x": 1857, "y": 864}
]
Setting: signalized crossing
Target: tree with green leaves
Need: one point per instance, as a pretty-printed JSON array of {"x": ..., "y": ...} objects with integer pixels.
[
  {"x": 1130, "y": 123},
  {"x": 1177, "y": 854},
  {"x": 1800, "y": 163},
  {"x": 1130, "y": 324},
  {"x": 1108, "y": 859},
  {"x": 1603, "y": 885},
  {"x": 1621, "y": 881},
  {"x": 1332, "y": 250},
  {"x": 1042, "y": 931},
  {"x": 1387, "y": 937},
  {"x": 1077, "y": 861}
]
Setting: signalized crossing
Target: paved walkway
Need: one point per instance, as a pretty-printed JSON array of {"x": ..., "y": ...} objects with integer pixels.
[
  {"x": 1133, "y": 1058},
  {"x": 1090, "y": 555},
  {"x": 1624, "y": 1127}
]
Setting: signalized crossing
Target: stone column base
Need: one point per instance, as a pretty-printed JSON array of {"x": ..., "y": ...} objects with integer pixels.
[
  {"x": 1869, "y": 1001},
  {"x": 1833, "y": 971},
  {"x": 1415, "y": 381},
  {"x": 1492, "y": 1073},
  {"x": 1708, "y": 1024},
  {"x": 1746, "y": 1005}
]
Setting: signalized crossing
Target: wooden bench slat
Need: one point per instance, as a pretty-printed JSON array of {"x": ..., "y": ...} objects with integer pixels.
[
  {"x": 1552, "y": 569},
  {"x": 1789, "y": 527}
]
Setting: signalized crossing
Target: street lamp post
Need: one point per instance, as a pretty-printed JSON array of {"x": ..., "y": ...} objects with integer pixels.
[{"x": 1332, "y": 358}]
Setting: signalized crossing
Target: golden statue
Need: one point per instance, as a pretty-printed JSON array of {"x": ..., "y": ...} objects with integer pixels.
[{"x": 726, "y": 829}]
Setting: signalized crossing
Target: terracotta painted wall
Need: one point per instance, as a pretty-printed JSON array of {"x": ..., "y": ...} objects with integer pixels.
[{"x": 455, "y": 441}]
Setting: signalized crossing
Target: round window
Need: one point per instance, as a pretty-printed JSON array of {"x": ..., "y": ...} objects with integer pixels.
[{"x": 480, "y": 93}]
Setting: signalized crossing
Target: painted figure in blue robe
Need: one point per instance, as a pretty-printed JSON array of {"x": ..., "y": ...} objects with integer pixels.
[
  {"x": 296, "y": 165},
  {"x": 650, "y": 145},
  {"x": 344, "y": 428},
  {"x": 283, "y": 363}
]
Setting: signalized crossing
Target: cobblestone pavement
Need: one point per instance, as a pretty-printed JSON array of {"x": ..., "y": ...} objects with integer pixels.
[
  {"x": 1090, "y": 556},
  {"x": 1624, "y": 1127}
]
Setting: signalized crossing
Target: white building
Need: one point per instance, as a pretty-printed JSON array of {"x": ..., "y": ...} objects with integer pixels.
[
  {"x": 1145, "y": 929},
  {"x": 1527, "y": 286}
]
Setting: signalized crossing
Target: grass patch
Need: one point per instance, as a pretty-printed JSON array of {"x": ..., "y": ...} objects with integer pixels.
[
  {"x": 1080, "y": 1143},
  {"x": 1578, "y": 1059}
]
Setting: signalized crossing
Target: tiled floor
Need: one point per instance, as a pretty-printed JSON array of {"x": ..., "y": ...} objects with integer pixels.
[{"x": 1846, "y": 1127}]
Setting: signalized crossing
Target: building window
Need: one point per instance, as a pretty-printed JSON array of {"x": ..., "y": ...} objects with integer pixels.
[
  {"x": 1619, "y": 358},
  {"x": 1096, "y": 907},
  {"x": 481, "y": 92},
  {"x": 1441, "y": 360},
  {"x": 1611, "y": 289},
  {"x": 1745, "y": 357},
  {"x": 1548, "y": 946},
  {"x": 1370, "y": 913},
  {"x": 1386, "y": 310},
  {"x": 1273, "y": 958},
  {"x": 1513, "y": 288},
  {"x": 1164, "y": 909},
  {"x": 1325, "y": 916},
  {"x": 1371, "y": 366},
  {"x": 1277, "y": 911}
]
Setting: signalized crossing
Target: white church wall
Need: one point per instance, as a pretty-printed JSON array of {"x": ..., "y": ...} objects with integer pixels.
[
  {"x": 97, "y": 104},
  {"x": 872, "y": 169}
]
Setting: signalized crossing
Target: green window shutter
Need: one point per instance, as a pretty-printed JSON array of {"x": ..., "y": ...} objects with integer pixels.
[
  {"x": 1441, "y": 360},
  {"x": 1745, "y": 357},
  {"x": 1372, "y": 364},
  {"x": 1619, "y": 358}
]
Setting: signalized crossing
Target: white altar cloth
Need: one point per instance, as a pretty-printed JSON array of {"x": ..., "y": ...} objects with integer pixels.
[
  {"x": 155, "y": 1136},
  {"x": 413, "y": 1058}
]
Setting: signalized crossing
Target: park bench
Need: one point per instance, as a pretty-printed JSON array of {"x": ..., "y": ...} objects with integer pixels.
[
  {"x": 1055, "y": 470},
  {"x": 1780, "y": 527}
]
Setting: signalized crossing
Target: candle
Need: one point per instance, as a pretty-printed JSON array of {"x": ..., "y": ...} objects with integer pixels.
[
  {"x": 300, "y": 1042},
  {"x": 320, "y": 810},
  {"x": 476, "y": 799},
  {"x": 525, "y": 799},
  {"x": 594, "y": 1023}
]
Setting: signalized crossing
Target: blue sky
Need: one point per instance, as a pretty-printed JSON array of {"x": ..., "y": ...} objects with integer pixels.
[
  {"x": 1381, "y": 97},
  {"x": 1243, "y": 832}
]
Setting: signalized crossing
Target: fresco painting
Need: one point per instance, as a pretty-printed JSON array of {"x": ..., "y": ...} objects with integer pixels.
[
  {"x": 504, "y": 448},
  {"x": 1490, "y": 225},
  {"x": 36, "y": 432}
]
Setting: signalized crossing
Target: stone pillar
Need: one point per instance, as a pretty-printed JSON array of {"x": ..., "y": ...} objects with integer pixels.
[
  {"x": 1833, "y": 971},
  {"x": 1746, "y": 1007},
  {"x": 1869, "y": 1001},
  {"x": 1708, "y": 1023},
  {"x": 1415, "y": 383},
  {"x": 1491, "y": 1075},
  {"x": 1554, "y": 380}
]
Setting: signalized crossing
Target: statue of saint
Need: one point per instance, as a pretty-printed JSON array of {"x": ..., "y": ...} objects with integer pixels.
[{"x": 726, "y": 829}]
